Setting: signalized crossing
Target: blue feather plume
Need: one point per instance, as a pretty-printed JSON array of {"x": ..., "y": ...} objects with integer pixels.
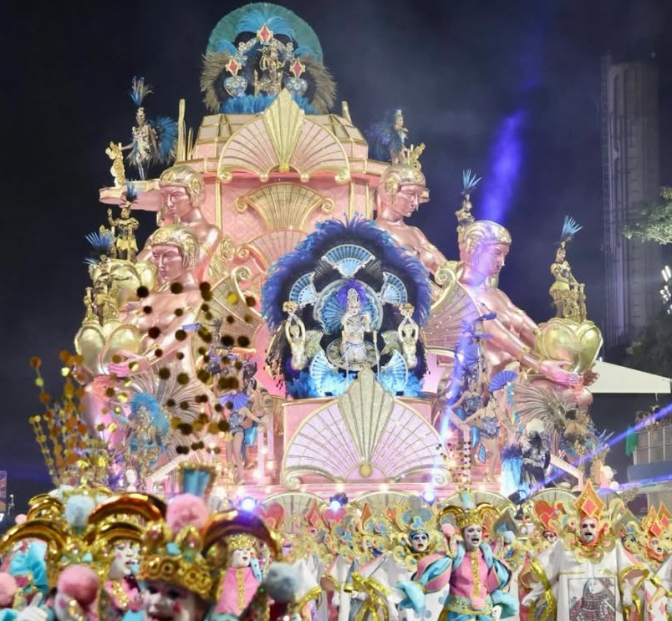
[
  {"x": 331, "y": 233},
  {"x": 139, "y": 90},
  {"x": 254, "y": 20},
  {"x": 100, "y": 245},
  {"x": 304, "y": 50},
  {"x": 224, "y": 46},
  {"x": 570, "y": 227},
  {"x": 166, "y": 138},
  {"x": 131, "y": 193},
  {"x": 469, "y": 182},
  {"x": 159, "y": 420},
  {"x": 249, "y": 104},
  {"x": 383, "y": 139},
  {"x": 100, "y": 241}
]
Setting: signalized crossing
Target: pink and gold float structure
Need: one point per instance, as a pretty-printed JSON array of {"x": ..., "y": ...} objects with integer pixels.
[{"x": 284, "y": 323}]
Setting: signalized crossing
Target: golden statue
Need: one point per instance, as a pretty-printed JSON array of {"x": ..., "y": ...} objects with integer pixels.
[
  {"x": 182, "y": 189},
  {"x": 271, "y": 65},
  {"x": 91, "y": 315},
  {"x": 568, "y": 294},
  {"x": 123, "y": 230},
  {"x": 401, "y": 190},
  {"x": 115, "y": 153},
  {"x": 147, "y": 331},
  {"x": 463, "y": 214},
  {"x": 483, "y": 250}
]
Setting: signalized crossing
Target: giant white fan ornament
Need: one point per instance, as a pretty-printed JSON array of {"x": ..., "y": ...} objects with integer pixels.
[{"x": 365, "y": 435}]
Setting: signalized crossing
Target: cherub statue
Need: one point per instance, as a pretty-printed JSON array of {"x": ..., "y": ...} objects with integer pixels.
[
  {"x": 408, "y": 332},
  {"x": 303, "y": 343},
  {"x": 295, "y": 332},
  {"x": 118, "y": 172}
]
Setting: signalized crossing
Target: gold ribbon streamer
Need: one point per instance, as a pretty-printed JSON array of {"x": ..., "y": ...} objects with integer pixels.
[
  {"x": 551, "y": 604},
  {"x": 375, "y": 591},
  {"x": 636, "y": 601}
]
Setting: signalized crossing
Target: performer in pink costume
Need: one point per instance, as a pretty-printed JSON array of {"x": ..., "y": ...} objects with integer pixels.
[
  {"x": 242, "y": 577},
  {"x": 475, "y": 577}
]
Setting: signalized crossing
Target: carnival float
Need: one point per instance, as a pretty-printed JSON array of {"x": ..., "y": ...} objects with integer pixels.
[{"x": 286, "y": 368}]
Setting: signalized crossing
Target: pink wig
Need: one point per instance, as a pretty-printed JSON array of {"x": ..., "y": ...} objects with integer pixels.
[
  {"x": 187, "y": 510},
  {"x": 8, "y": 588},
  {"x": 80, "y": 583}
]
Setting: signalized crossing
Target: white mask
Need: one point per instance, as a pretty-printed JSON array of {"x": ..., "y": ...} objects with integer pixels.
[{"x": 473, "y": 536}]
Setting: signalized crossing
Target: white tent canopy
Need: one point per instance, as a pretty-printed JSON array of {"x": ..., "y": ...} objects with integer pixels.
[{"x": 615, "y": 379}]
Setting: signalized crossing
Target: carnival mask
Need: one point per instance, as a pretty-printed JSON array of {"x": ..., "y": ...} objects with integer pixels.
[
  {"x": 588, "y": 530},
  {"x": 473, "y": 535},
  {"x": 419, "y": 541},
  {"x": 166, "y": 602}
]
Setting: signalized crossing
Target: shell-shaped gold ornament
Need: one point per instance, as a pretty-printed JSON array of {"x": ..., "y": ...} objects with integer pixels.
[
  {"x": 284, "y": 205},
  {"x": 283, "y": 140},
  {"x": 366, "y": 434}
]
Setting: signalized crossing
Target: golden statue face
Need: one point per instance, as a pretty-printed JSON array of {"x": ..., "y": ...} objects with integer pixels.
[
  {"x": 488, "y": 259},
  {"x": 169, "y": 262},
  {"x": 407, "y": 200},
  {"x": 176, "y": 200}
]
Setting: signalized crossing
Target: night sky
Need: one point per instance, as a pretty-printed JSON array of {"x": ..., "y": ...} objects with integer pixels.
[{"x": 508, "y": 88}]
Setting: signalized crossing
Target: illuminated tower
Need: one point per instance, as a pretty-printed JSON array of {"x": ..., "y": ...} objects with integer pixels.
[{"x": 630, "y": 163}]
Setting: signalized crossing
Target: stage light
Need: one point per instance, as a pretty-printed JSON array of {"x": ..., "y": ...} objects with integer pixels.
[
  {"x": 248, "y": 504},
  {"x": 334, "y": 506},
  {"x": 429, "y": 496}
]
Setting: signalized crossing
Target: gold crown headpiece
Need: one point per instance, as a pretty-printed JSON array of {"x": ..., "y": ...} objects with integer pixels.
[
  {"x": 407, "y": 172},
  {"x": 191, "y": 558},
  {"x": 72, "y": 453},
  {"x": 177, "y": 558},
  {"x": 67, "y": 545},
  {"x": 241, "y": 541},
  {"x": 478, "y": 515}
]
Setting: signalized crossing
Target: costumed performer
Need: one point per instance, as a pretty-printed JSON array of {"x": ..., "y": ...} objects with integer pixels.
[{"x": 587, "y": 574}]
